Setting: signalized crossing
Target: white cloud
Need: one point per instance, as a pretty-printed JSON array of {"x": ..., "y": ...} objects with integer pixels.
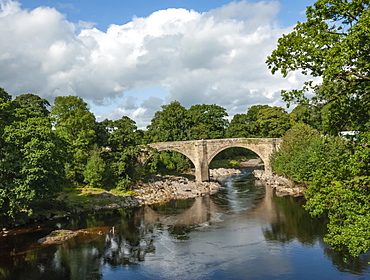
[{"x": 215, "y": 57}]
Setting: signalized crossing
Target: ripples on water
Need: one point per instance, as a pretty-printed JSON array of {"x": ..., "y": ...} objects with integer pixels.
[{"x": 243, "y": 232}]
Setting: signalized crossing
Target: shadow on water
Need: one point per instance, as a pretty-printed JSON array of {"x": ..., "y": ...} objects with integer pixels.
[{"x": 243, "y": 229}]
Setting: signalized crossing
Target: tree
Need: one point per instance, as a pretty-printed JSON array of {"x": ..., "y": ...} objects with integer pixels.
[
  {"x": 6, "y": 110},
  {"x": 273, "y": 122},
  {"x": 95, "y": 169},
  {"x": 30, "y": 105},
  {"x": 333, "y": 44},
  {"x": 168, "y": 124},
  {"x": 124, "y": 141},
  {"x": 308, "y": 114},
  {"x": 238, "y": 127},
  {"x": 246, "y": 125},
  {"x": 76, "y": 125},
  {"x": 31, "y": 165},
  {"x": 206, "y": 121},
  {"x": 296, "y": 146},
  {"x": 121, "y": 133}
]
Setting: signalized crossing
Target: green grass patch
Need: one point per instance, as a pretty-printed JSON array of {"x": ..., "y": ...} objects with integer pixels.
[{"x": 225, "y": 163}]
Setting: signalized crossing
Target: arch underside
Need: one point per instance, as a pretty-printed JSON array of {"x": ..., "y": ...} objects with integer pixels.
[
  {"x": 215, "y": 153},
  {"x": 175, "y": 150}
]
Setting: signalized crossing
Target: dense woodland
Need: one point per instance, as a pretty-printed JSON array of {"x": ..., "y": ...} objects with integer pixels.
[{"x": 46, "y": 149}]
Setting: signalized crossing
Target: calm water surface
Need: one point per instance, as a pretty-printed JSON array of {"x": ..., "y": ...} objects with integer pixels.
[{"x": 243, "y": 232}]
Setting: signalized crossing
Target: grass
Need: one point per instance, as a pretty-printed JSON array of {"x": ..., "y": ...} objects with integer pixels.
[
  {"x": 227, "y": 163},
  {"x": 84, "y": 197}
]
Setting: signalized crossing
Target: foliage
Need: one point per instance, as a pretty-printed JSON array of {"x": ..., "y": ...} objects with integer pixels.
[
  {"x": 238, "y": 127},
  {"x": 165, "y": 161},
  {"x": 76, "y": 125},
  {"x": 347, "y": 204},
  {"x": 168, "y": 124},
  {"x": 206, "y": 121},
  {"x": 295, "y": 148},
  {"x": 337, "y": 176},
  {"x": 273, "y": 122},
  {"x": 31, "y": 105},
  {"x": 308, "y": 114},
  {"x": 246, "y": 125},
  {"x": 123, "y": 141},
  {"x": 6, "y": 109},
  {"x": 95, "y": 169},
  {"x": 332, "y": 44},
  {"x": 39, "y": 174}
]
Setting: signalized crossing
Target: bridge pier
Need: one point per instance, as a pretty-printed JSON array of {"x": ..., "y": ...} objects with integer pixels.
[{"x": 200, "y": 161}]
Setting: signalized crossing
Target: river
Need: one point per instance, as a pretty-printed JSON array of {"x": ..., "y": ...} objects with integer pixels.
[{"x": 242, "y": 232}]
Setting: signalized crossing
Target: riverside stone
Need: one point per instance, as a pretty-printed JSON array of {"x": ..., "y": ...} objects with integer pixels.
[
  {"x": 165, "y": 188},
  {"x": 283, "y": 186}
]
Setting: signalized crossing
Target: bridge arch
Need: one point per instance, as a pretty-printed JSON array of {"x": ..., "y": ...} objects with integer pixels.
[
  {"x": 215, "y": 153},
  {"x": 175, "y": 149}
]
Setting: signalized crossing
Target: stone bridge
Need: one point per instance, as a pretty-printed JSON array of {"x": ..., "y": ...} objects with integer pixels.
[{"x": 201, "y": 152}]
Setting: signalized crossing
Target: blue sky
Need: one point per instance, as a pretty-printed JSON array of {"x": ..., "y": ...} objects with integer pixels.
[
  {"x": 131, "y": 57},
  {"x": 104, "y": 13}
]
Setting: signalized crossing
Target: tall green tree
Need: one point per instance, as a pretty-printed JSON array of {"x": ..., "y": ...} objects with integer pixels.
[
  {"x": 273, "y": 122},
  {"x": 333, "y": 44},
  {"x": 238, "y": 127},
  {"x": 308, "y": 114},
  {"x": 169, "y": 124},
  {"x": 206, "y": 121},
  {"x": 76, "y": 125},
  {"x": 124, "y": 141},
  {"x": 32, "y": 165},
  {"x": 30, "y": 105},
  {"x": 246, "y": 125},
  {"x": 6, "y": 110}
]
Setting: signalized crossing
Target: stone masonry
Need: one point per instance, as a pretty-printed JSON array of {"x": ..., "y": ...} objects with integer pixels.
[{"x": 201, "y": 152}]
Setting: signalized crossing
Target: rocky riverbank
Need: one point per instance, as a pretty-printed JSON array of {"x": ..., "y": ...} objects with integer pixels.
[
  {"x": 165, "y": 188},
  {"x": 160, "y": 189},
  {"x": 282, "y": 186}
]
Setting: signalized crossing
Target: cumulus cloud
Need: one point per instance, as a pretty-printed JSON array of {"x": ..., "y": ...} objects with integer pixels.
[{"x": 213, "y": 57}]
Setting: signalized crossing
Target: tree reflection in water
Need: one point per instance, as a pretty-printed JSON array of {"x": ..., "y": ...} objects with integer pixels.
[
  {"x": 136, "y": 237},
  {"x": 295, "y": 223}
]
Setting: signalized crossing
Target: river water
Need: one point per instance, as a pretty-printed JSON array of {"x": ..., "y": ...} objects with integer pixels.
[{"x": 242, "y": 232}]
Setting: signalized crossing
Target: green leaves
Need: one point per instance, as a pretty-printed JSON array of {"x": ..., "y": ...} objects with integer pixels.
[
  {"x": 206, "y": 121},
  {"x": 32, "y": 165},
  {"x": 336, "y": 173},
  {"x": 333, "y": 44},
  {"x": 76, "y": 125},
  {"x": 168, "y": 124}
]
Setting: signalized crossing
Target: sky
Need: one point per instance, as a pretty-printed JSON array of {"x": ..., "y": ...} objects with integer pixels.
[{"x": 128, "y": 58}]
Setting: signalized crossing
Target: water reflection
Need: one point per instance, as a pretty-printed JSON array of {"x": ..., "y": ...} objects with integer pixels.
[{"x": 244, "y": 232}]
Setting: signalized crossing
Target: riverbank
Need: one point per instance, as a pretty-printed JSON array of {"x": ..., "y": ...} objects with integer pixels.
[
  {"x": 282, "y": 186},
  {"x": 158, "y": 189}
]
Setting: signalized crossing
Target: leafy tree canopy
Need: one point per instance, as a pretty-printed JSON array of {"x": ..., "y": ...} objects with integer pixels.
[
  {"x": 273, "y": 122},
  {"x": 168, "y": 124},
  {"x": 31, "y": 105},
  {"x": 334, "y": 44},
  {"x": 206, "y": 121}
]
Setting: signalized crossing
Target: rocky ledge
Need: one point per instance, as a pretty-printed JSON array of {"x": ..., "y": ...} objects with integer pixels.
[
  {"x": 165, "y": 188},
  {"x": 160, "y": 189},
  {"x": 282, "y": 186},
  {"x": 220, "y": 172}
]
